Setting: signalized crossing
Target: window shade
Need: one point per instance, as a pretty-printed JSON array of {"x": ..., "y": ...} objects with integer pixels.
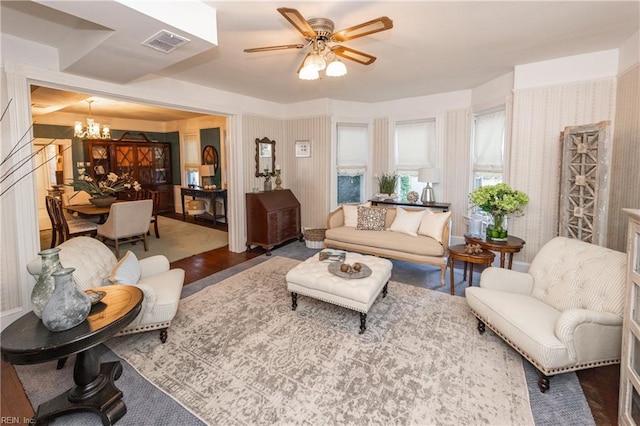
[
  {"x": 352, "y": 145},
  {"x": 489, "y": 141},
  {"x": 415, "y": 144},
  {"x": 191, "y": 149}
]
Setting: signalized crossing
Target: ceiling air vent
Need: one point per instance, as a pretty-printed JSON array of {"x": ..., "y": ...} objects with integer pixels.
[{"x": 165, "y": 41}]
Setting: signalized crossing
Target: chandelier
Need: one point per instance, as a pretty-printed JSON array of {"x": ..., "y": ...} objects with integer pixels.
[
  {"x": 321, "y": 58},
  {"x": 92, "y": 130}
]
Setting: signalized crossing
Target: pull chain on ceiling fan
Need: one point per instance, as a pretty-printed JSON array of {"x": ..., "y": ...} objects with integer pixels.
[{"x": 323, "y": 43}]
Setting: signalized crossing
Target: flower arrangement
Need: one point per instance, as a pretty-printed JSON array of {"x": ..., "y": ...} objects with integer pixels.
[
  {"x": 268, "y": 175},
  {"x": 499, "y": 201},
  {"x": 108, "y": 186}
]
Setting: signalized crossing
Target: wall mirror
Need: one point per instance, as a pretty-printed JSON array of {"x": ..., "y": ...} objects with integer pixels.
[
  {"x": 265, "y": 156},
  {"x": 210, "y": 156}
]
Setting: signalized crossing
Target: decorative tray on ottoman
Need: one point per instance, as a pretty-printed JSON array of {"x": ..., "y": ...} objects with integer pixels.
[{"x": 364, "y": 272}]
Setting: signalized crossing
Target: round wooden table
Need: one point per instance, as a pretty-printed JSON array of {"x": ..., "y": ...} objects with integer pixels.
[
  {"x": 512, "y": 245},
  {"x": 28, "y": 341},
  {"x": 457, "y": 252}
]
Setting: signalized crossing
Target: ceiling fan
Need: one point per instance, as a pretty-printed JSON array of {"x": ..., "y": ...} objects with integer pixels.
[{"x": 323, "y": 42}]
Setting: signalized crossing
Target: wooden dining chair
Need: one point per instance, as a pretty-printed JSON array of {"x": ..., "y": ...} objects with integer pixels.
[
  {"x": 64, "y": 229},
  {"x": 55, "y": 223},
  {"x": 155, "y": 196}
]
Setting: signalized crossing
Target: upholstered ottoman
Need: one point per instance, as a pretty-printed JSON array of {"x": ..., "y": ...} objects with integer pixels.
[{"x": 312, "y": 278}]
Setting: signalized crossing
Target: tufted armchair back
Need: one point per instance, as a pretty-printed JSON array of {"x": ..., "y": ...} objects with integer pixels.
[
  {"x": 573, "y": 274},
  {"x": 92, "y": 260}
]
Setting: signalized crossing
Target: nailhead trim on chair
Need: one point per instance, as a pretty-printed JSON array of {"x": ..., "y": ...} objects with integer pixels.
[
  {"x": 144, "y": 328},
  {"x": 540, "y": 368}
]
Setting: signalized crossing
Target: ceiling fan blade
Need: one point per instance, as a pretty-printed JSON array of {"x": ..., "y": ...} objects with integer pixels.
[
  {"x": 354, "y": 55},
  {"x": 298, "y": 21},
  {"x": 268, "y": 48},
  {"x": 374, "y": 26}
]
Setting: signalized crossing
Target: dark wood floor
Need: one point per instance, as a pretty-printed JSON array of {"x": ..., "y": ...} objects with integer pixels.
[{"x": 600, "y": 385}]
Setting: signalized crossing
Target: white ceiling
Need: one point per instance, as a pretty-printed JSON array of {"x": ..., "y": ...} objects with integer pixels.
[{"x": 434, "y": 47}]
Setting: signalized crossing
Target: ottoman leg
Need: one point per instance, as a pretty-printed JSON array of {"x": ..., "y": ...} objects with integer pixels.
[
  {"x": 384, "y": 290},
  {"x": 294, "y": 301},
  {"x": 363, "y": 322}
]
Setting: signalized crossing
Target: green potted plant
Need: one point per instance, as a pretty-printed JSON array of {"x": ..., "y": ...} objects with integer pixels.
[
  {"x": 387, "y": 183},
  {"x": 499, "y": 201}
]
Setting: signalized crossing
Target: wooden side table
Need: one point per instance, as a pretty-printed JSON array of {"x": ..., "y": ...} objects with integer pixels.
[
  {"x": 485, "y": 257},
  {"x": 27, "y": 341},
  {"x": 512, "y": 245}
]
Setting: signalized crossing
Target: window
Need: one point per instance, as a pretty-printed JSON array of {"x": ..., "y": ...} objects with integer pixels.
[
  {"x": 191, "y": 147},
  {"x": 415, "y": 147},
  {"x": 352, "y": 158},
  {"x": 488, "y": 147}
]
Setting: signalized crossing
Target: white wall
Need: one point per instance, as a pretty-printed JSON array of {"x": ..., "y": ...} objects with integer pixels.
[
  {"x": 629, "y": 53},
  {"x": 567, "y": 70}
]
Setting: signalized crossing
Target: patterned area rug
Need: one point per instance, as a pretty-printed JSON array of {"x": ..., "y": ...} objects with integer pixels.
[
  {"x": 237, "y": 354},
  {"x": 177, "y": 240}
]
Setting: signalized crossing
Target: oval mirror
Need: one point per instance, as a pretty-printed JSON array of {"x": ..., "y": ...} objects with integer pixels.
[{"x": 210, "y": 156}]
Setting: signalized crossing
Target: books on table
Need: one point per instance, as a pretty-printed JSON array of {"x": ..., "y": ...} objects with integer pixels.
[{"x": 328, "y": 255}]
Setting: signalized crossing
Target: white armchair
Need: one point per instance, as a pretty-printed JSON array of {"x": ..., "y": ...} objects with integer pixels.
[
  {"x": 128, "y": 222},
  {"x": 565, "y": 314},
  {"x": 94, "y": 263}
]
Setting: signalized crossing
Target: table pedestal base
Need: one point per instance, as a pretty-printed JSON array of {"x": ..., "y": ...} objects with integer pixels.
[{"x": 104, "y": 400}]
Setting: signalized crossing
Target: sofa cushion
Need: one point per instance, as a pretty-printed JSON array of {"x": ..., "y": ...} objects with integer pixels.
[
  {"x": 407, "y": 222},
  {"x": 351, "y": 213},
  {"x": 433, "y": 224},
  {"x": 371, "y": 219},
  {"x": 396, "y": 241},
  {"x": 126, "y": 271}
]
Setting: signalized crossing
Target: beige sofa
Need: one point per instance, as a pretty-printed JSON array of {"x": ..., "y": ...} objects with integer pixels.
[{"x": 387, "y": 243}]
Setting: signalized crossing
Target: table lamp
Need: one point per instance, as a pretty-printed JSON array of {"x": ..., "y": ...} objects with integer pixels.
[
  {"x": 207, "y": 170},
  {"x": 429, "y": 176}
]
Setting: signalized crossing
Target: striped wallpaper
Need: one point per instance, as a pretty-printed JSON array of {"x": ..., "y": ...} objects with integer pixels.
[
  {"x": 625, "y": 158},
  {"x": 539, "y": 115}
]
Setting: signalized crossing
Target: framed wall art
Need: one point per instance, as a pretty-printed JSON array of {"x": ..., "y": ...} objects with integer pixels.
[{"x": 303, "y": 149}]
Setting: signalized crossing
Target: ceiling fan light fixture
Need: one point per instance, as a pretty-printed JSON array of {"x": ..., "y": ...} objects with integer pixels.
[
  {"x": 336, "y": 68},
  {"x": 316, "y": 60},
  {"x": 308, "y": 72},
  {"x": 324, "y": 44}
]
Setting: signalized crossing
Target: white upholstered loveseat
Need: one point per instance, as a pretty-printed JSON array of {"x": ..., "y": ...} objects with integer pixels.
[
  {"x": 565, "y": 314},
  {"x": 94, "y": 264}
]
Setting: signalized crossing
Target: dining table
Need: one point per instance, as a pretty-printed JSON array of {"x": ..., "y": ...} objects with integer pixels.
[{"x": 89, "y": 210}]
